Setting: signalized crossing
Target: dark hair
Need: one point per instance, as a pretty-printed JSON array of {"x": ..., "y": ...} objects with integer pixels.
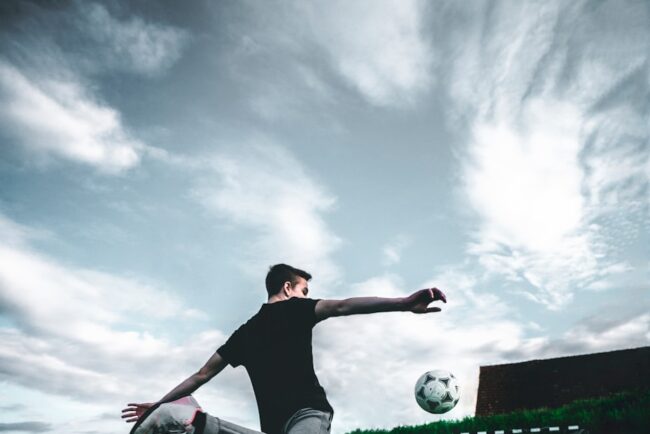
[{"x": 280, "y": 273}]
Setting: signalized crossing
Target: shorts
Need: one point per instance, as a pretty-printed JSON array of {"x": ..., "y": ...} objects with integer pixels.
[{"x": 172, "y": 418}]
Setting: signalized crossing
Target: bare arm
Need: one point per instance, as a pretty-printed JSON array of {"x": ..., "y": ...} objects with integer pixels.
[
  {"x": 417, "y": 302},
  {"x": 212, "y": 367}
]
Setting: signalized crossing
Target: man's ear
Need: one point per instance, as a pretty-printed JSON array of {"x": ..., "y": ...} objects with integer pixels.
[{"x": 286, "y": 288}]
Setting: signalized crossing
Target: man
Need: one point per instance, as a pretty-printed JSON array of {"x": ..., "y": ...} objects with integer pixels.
[{"x": 275, "y": 348}]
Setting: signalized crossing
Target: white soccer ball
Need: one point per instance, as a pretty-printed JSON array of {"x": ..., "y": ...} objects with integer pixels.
[{"x": 437, "y": 391}]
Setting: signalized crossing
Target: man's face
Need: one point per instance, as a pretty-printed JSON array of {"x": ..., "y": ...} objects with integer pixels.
[{"x": 300, "y": 289}]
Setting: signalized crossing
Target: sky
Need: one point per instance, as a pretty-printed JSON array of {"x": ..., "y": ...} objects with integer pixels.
[{"x": 156, "y": 157}]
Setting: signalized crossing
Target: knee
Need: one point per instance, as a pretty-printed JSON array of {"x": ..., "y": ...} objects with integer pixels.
[{"x": 169, "y": 418}]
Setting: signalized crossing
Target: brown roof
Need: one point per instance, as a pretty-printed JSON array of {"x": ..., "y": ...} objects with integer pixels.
[{"x": 555, "y": 382}]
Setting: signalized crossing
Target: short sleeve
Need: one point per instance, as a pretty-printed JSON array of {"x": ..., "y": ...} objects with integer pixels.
[
  {"x": 234, "y": 350},
  {"x": 304, "y": 311}
]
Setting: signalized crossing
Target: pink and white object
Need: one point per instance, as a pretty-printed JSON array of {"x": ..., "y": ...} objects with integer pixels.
[{"x": 174, "y": 417}]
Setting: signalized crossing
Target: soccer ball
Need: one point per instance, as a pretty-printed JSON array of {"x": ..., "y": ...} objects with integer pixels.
[{"x": 437, "y": 391}]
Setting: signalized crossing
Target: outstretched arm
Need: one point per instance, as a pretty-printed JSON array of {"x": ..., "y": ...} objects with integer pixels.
[
  {"x": 417, "y": 302},
  {"x": 212, "y": 367}
]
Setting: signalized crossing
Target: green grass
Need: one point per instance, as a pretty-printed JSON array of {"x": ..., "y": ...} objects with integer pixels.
[{"x": 627, "y": 413}]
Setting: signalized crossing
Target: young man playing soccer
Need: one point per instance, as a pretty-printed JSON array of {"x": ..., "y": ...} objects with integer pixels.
[{"x": 275, "y": 348}]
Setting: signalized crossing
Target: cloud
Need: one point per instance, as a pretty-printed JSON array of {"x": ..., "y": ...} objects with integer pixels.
[
  {"x": 558, "y": 141},
  {"x": 68, "y": 320},
  {"x": 392, "y": 251},
  {"x": 133, "y": 44},
  {"x": 16, "y": 234},
  {"x": 525, "y": 183},
  {"x": 310, "y": 56},
  {"x": 41, "y": 292},
  {"x": 615, "y": 325},
  {"x": 50, "y": 116},
  {"x": 12, "y": 407},
  {"x": 265, "y": 188},
  {"x": 287, "y": 96},
  {"x": 378, "y": 47},
  {"x": 98, "y": 39},
  {"x": 50, "y": 105},
  {"x": 617, "y": 160},
  {"x": 26, "y": 427}
]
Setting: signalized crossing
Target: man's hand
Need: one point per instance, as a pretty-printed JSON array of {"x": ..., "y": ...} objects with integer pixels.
[
  {"x": 419, "y": 301},
  {"x": 134, "y": 411}
]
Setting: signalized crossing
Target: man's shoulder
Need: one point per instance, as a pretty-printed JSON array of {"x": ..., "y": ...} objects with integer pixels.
[
  {"x": 304, "y": 300},
  {"x": 303, "y": 304}
]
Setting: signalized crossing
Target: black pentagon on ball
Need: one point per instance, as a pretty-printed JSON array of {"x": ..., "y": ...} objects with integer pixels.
[
  {"x": 444, "y": 381},
  {"x": 433, "y": 405},
  {"x": 429, "y": 379},
  {"x": 446, "y": 398},
  {"x": 421, "y": 393}
]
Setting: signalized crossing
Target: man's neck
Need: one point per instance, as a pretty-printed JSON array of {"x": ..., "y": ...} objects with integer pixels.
[{"x": 276, "y": 298}]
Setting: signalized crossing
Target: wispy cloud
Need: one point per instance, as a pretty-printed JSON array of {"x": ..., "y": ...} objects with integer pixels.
[
  {"x": 265, "y": 188},
  {"x": 615, "y": 325},
  {"x": 316, "y": 54},
  {"x": 526, "y": 185},
  {"x": 133, "y": 44},
  {"x": 12, "y": 407},
  {"x": 51, "y": 106},
  {"x": 378, "y": 47},
  {"x": 392, "y": 251},
  {"x": 26, "y": 427},
  {"x": 51, "y": 302},
  {"x": 60, "y": 117},
  {"x": 550, "y": 153}
]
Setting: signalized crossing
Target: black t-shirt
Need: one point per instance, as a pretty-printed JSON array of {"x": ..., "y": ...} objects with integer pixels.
[{"x": 275, "y": 348}]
